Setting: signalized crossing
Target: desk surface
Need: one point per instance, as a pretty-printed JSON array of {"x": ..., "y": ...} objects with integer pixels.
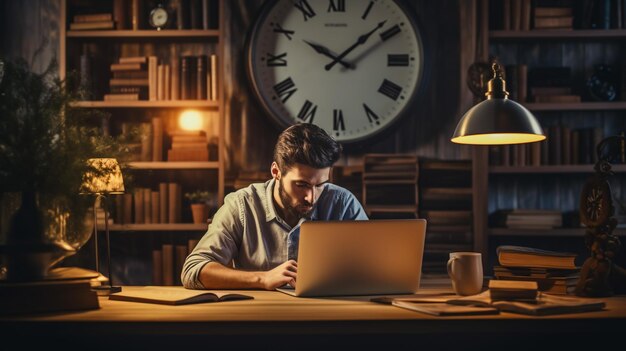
[{"x": 273, "y": 314}]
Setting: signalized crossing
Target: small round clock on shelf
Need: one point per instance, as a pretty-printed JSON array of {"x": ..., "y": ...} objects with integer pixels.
[
  {"x": 351, "y": 68},
  {"x": 159, "y": 17}
]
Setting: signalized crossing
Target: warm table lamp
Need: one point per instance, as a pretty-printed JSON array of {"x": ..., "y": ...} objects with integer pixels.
[
  {"x": 497, "y": 120},
  {"x": 104, "y": 178}
]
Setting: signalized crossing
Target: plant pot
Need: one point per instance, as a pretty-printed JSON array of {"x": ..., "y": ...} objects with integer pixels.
[
  {"x": 34, "y": 239},
  {"x": 200, "y": 213}
]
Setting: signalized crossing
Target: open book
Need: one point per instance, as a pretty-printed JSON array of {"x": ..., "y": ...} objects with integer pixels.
[
  {"x": 444, "y": 309},
  {"x": 545, "y": 304},
  {"x": 166, "y": 295}
]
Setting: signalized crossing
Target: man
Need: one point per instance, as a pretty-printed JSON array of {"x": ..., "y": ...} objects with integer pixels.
[{"x": 252, "y": 241}]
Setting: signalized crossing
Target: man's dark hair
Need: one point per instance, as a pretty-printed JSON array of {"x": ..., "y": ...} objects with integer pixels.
[{"x": 307, "y": 144}]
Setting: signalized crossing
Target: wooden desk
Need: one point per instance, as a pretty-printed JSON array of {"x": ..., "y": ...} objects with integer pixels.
[{"x": 278, "y": 321}]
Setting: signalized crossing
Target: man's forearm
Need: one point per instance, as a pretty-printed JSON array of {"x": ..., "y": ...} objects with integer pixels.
[{"x": 216, "y": 276}]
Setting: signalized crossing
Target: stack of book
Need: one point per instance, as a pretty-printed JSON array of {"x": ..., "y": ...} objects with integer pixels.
[
  {"x": 188, "y": 146},
  {"x": 534, "y": 219},
  {"x": 554, "y": 272},
  {"x": 130, "y": 79},
  {"x": 551, "y": 84},
  {"x": 553, "y": 18},
  {"x": 92, "y": 21},
  {"x": 390, "y": 185}
]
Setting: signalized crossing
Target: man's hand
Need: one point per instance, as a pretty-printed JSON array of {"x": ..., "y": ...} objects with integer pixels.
[{"x": 286, "y": 273}]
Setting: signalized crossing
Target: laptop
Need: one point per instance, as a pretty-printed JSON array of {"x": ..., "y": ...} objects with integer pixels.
[{"x": 359, "y": 257}]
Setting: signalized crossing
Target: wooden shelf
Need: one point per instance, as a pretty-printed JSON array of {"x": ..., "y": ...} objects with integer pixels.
[
  {"x": 148, "y": 104},
  {"x": 561, "y": 232},
  {"x": 391, "y": 208},
  {"x": 576, "y": 106},
  {"x": 144, "y": 34},
  {"x": 550, "y": 169},
  {"x": 579, "y": 34},
  {"x": 173, "y": 165},
  {"x": 156, "y": 227},
  {"x": 379, "y": 181}
]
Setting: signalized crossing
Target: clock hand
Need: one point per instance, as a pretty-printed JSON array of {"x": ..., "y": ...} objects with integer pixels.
[
  {"x": 362, "y": 39},
  {"x": 324, "y": 51}
]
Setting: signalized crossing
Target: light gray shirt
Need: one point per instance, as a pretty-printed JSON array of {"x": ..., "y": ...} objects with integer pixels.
[{"x": 247, "y": 234}]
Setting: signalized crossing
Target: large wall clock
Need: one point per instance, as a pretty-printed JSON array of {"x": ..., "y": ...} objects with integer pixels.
[{"x": 350, "y": 67}]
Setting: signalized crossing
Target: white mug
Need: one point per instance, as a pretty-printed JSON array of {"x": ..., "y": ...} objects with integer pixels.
[{"x": 466, "y": 272}]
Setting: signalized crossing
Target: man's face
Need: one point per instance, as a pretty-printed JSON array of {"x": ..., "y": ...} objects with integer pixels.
[{"x": 300, "y": 187}]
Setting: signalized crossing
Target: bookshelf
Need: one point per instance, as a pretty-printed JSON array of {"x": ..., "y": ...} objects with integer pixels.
[
  {"x": 540, "y": 182},
  {"x": 168, "y": 232}
]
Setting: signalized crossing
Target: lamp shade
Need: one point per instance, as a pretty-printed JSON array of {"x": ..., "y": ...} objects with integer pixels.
[
  {"x": 103, "y": 177},
  {"x": 497, "y": 120}
]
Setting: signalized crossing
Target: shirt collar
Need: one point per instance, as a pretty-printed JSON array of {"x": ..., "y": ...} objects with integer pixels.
[{"x": 270, "y": 211}]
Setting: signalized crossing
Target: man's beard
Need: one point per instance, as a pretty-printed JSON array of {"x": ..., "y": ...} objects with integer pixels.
[{"x": 299, "y": 210}]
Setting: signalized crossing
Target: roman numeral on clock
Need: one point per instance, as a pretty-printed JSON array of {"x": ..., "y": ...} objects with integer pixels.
[
  {"x": 390, "y": 89},
  {"x": 279, "y": 29},
  {"x": 390, "y": 32},
  {"x": 397, "y": 60},
  {"x": 337, "y": 6},
  {"x": 371, "y": 116},
  {"x": 276, "y": 60},
  {"x": 305, "y": 8},
  {"x": 367, "y": 10},
  {"x": 338, "y": 123},
  {"x": 285, "y": 89},
  {"x": 307, "y": 112}
]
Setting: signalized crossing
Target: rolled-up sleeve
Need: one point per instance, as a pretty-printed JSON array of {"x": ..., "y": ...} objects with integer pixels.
[{"x": 219, "y": 244}]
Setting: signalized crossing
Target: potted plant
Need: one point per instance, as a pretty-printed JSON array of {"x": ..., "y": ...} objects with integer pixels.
[
  {"x": 44, "y": 147},
  {"x": 200, "y": 205}
]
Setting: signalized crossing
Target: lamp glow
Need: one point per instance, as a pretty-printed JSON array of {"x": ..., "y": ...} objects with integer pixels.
[
  {"x": 497, "y": 120},
  {"x": 190, "y": 120}
]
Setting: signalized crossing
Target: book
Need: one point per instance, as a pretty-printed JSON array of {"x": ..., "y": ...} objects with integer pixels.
[
  {"x": 556, "y": 98},
  {"x": 556, "y": 22},
  {"x": 134, "y": 59},
  {"x": 444, "y": 309},
  {"x": 167, "y": 255},
  {"x": 47, "y": 296},
  {"x": 127, "y": 66},
  {"x": 121, "y": 97},
  {"x": 157, "y": 267},
  {"x": 520, "y": 256},
  {"x": 128, "y": 82},
  {"x": 513, "y": 290},
  {"x": 544, "y": 305},
  {"x": 175, "y": 296},
  {"x": 155, "y": 207},
  {"x": 92, "y": 25},
  {"x": 553, "y": 11},
  {"x": 94, "y": 17},
  {"x": 119, "y": 14},
  {"x": 163, "y": 203},
  {"x": 157, "y": 139}
]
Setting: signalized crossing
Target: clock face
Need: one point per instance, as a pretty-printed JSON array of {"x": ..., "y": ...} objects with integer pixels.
[
  {"x": 158, "y": 17},
  {"x": 350, "y": 67}
]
